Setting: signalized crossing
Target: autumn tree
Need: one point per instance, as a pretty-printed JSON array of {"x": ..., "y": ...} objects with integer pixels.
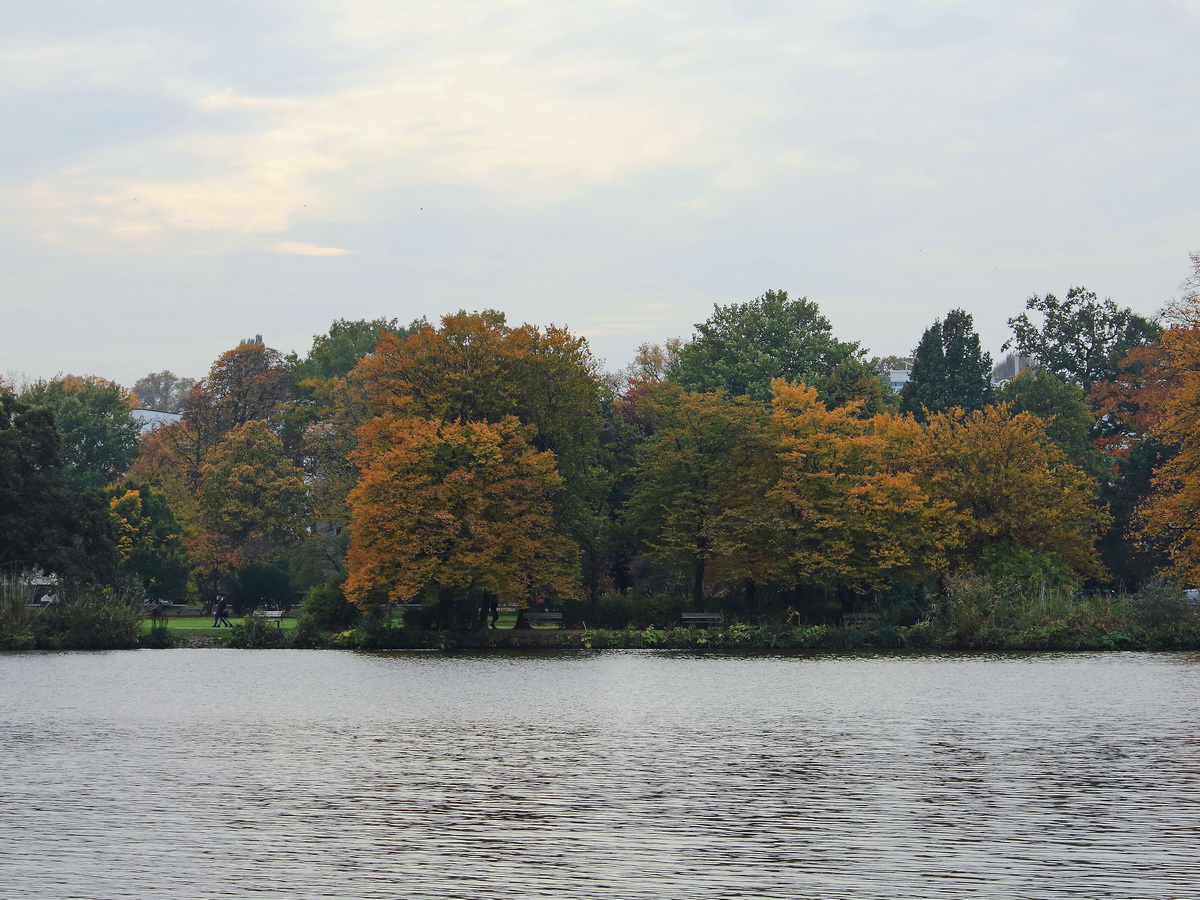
[
  {"x": 252, "y": 498},
  {"x": 150, "y": 545},
  {"x": 1128, "y": 409},
  {"x": 452, "y": 514},
  {"x": 477, "y": 368},
  {"x": 743, "y": 347},
  {"x": 949, "y": 369},
  {"x": 700, "y": 484},
  {"x": 246, "y": 384},
  {"x": 1170, "y": 514},
  {"x": 845, "y": 513},
  {"x": 1081, "y": 338},
  {"x": 1017, "y": 493}
]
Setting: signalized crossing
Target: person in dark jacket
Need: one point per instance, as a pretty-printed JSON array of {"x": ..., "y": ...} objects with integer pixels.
[{"x": 221, "y": 613}]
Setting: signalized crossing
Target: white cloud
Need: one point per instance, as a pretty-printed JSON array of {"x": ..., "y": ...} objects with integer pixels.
[{"x": 293, "y": 248}]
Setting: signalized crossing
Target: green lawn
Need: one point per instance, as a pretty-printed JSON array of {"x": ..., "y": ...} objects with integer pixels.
[{"x": 201, "y": 624}]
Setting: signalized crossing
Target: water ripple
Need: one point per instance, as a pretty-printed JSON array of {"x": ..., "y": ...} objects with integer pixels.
[{"x": 212, "y": 774}]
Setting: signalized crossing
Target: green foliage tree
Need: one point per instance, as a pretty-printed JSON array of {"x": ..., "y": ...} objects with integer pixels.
[
  {"x": 856, "y": 381},
  {"x": 99, "y": 433},
  {"x": 949, "y": 369},
  {"x": 1060, "y": 404},
  {"x": 1081, "y": 338},
  {"x": 335, "y": 354},
  {"x": 701, "y": 483},
  {"x": 743, "y": 347},
  {"x": 163, "y": 391},
  {"x": 48, "y": 522},
  {"x": 150, "y": 547},
  {"x": 252, "y": 498},
  {"x": 326, "y": 604}
]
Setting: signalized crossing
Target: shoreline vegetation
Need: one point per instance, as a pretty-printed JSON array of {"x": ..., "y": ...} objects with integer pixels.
[
  {"x": 764, "y": 483},
  {"x": 970, "y": 614}
]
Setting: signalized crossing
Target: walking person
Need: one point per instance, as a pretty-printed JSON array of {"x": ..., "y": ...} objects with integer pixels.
[{"x": 221, "y": 613}]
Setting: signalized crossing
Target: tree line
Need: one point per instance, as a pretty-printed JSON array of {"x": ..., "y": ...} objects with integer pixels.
[{"x": 474, "y": 462}]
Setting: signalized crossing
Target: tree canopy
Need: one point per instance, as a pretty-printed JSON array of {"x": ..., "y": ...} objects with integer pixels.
[
  {"x": 99, "y": 433},
  {"x": 163, "y": 391},
  {"x": 48, "y": 521},
  {"x": 742, "y": 348},
  {"x": 1081, "y": 338},
  {"x": 1170, "y": 514},
  {"x": 949, "y": 369},
  {"x": 452, "y": 512}
]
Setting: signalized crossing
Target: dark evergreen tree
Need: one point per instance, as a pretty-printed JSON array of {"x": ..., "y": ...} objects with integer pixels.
[{"x": 949, "y": 369}]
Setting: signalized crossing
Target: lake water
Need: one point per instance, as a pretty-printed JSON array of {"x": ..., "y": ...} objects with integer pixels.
[{"x": 291, "y": 774}]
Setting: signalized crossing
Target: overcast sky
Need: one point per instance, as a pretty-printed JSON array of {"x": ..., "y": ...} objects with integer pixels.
[{"x": 176, "y": 177}]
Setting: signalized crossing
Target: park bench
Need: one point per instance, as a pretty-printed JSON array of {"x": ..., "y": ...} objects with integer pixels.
[
  {"x": 544, "y": 618},
  {"x": 859, "y": 618},
  {"x": 702, "y": 618},
  {"x": 276, "y": 614}
]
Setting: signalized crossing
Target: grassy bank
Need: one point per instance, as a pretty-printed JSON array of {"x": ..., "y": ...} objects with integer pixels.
[{"x": 968, "y": 614}]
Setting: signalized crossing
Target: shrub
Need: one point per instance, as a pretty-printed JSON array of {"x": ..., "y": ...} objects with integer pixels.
[
  {"x": 256, "y": 631},
  {"x": 327, "y": 606},
  {"x": 1160, "y": 604},
  {"x": 90, "y": 618}
]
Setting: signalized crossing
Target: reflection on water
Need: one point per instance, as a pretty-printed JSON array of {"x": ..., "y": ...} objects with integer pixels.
[{"x": 289, "y": 774}]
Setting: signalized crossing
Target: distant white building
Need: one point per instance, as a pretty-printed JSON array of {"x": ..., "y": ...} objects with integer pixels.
[
  {"x": 898, "y": 378},
  {"x": 152, "y": 418}
]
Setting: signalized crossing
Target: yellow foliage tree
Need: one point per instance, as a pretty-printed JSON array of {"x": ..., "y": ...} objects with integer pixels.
[{"x": 1012, "y": 486}]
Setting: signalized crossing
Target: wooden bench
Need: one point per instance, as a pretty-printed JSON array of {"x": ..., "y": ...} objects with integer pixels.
[
  {"x": 859, "y": 618},
  {"x": 276, "y": 614},
  {"x": 544, "y": 618},
  {"x": 702, "y": 618}
]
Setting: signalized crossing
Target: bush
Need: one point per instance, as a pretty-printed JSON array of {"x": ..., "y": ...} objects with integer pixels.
[
  {"x": 90, "y": 618},
  {"x": 256, "y": 631},
  {"x": 1160, "y": 604},
  {"x": 16, "y": 616},
  {"x": 327, "y": 607}
]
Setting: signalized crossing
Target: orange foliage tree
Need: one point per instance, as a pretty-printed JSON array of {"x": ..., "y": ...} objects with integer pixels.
[
  {"x": 454, "y": 514},
  {"x": 845, "y": 512},
  {"x": 1172, "y": 512},
  {"x": 475, "y": 368}
]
